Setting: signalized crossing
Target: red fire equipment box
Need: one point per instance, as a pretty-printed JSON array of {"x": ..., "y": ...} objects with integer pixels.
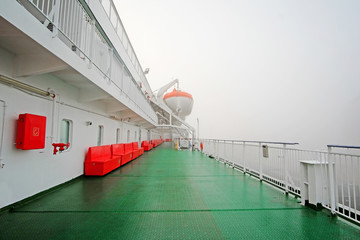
[{"x": 31, "y": 132}]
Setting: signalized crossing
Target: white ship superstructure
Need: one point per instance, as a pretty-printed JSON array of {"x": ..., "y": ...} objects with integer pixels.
[
  {"x": 72, "y": 62},
  {"x": 75, "y": 105}
]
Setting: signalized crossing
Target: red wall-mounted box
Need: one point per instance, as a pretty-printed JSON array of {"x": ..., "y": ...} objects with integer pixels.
[{"x": 31, "y": 132}]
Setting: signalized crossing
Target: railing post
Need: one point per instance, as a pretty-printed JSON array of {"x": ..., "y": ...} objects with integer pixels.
[
  {"x": 243, "y": 157},
  {"x": 216, "y": 150},
  {"x": 232, "y": 153},
  {"x": 332, "y": 187},
  {"x": 92, "y": 35},
  {"x": 214, "y": 143},
  {"x": 286, "y": 172},
  {"x": 56, "y": 18},
  {"x": 122, "y": 77},
  {"x": 111, "y": 55},
  {"x": 224, "y": 152},
  {"x": 260, "y": 164}
]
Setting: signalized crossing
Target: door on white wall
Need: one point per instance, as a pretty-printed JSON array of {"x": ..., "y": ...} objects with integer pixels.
[
  {"x": 100, "y": 135},
  {"x": 118, "y": 135}
]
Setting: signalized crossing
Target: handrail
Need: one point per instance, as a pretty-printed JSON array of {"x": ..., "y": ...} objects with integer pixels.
[
  {"x": 343, "y": 146},
  {"x": 129, "y": 45},
  {"x": 242, "y": 141},
  {"x": 104, "y": 35},
  {"x": 85, "y": 8},
  {"x": 106, "y": 38},
  {"x": 281, "y": 167}
]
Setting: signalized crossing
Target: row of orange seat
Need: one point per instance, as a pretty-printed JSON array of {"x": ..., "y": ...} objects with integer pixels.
[
  {"x": 101, "y": 160},
  {"x": 153, "y": 143},
  {"x": 156, "y": 142}
]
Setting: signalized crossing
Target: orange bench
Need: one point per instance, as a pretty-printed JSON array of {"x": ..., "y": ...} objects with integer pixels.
[
  {"x": 128, "y": 148},
  {"x": 99, "y": 161},
  {"x": 146, "y": 145},
  {"x": 136, "y": 148},
  {"x": 153, "y": 143},
  {"x": 119, "y": 150},
  {"x": 156, "y": 142}
]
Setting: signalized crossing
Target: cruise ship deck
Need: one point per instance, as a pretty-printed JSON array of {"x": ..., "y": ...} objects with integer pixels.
[{"x": 169, "y": 194}]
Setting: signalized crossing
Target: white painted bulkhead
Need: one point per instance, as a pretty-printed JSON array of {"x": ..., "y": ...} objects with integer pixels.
[
  {"x": 83, "y": 95},
  {"x": 27, "y": 172}
]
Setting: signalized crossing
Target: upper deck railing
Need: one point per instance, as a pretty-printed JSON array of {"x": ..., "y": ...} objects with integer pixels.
[
  {"x": 279, "y": 164},
  {"x": 73, "y": 23},
  {"x": 343, "y": 146},
  {"x": 115, "y": 20}
]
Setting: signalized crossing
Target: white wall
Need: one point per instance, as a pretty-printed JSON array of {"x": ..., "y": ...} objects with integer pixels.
[{"x": 28, "y": 172}]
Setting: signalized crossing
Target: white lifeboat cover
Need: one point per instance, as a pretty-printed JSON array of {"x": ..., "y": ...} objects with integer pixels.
[{"x": 179, "y": 102}]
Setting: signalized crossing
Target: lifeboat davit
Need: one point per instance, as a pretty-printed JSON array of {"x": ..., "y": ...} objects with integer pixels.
[{"x": 179, "y": 102}]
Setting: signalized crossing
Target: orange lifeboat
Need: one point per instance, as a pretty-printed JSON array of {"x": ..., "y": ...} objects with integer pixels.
[{"x": 179, "y": 102}]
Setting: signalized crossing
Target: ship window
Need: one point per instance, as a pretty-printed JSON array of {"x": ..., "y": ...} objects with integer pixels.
[
  {"x": 118, "y": 135},
  {"x": 65, "y": 131},
  {"x": 128, "y": 136},
  {"x": 100, "y": 135}
]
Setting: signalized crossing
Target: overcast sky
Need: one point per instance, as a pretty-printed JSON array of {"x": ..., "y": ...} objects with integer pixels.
[{"x": 257, "y": 69}]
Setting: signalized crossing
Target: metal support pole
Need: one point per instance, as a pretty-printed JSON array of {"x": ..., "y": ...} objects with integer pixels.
[
  {"x": 215, "y": 143},
  {"x": 2, "y": 133},
  {"x": 224, "y": 152},
  {"x": 286, "y": 172},
  {"x": 243, "y": 157},
  {"x": 198, "y": 130},
  {"x": 92, "y": 36},
  {"x": 56, "y": 18},
  {"x": 111, "y": 56},
  {"x": 260, "y": 164},
  {"x": 232, "y": 153},
  {"x": 213, "y": 148},
  {"x": 332, "y": 186}
]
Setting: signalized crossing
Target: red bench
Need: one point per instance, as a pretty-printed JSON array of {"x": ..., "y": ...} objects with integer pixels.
[
  {"x": 140, "y": 151},
  {"x": 119, "y": 150},
  {"x": 146, "y": 145},
  {"x": 156, "y": 142},
  {"x": 153, "y": 143},
  {"x": 135, "y": 151},
  {"x": 99, "y": 161},
  {"x": 128, "y": 148}
]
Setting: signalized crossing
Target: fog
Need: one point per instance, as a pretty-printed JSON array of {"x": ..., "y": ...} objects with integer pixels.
[{"x": 257, "y": 70}]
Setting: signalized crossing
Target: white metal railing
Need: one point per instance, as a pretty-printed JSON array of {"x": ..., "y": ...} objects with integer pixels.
[
  {"x": 70, "y": 22},
  {"x": 119, "y": 28},
  {"x": 344, "y": 182},
  {"x": 340, "y": 181},
  {"x": 248, "y": 157}
]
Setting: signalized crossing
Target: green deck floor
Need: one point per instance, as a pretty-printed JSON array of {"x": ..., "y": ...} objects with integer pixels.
[{"x": 168, "y": 194}]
